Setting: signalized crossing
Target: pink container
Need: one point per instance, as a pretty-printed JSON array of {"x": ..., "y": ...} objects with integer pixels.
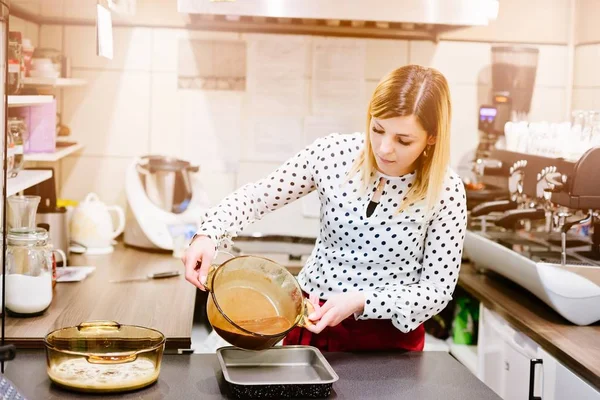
[{"x": 41, "y": 127}]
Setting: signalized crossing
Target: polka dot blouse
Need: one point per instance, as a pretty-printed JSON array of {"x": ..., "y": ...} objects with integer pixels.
[{"x": 406, "y": 263}]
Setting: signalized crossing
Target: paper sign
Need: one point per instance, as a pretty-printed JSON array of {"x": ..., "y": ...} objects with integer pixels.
[{"x": 104, "y": 36}]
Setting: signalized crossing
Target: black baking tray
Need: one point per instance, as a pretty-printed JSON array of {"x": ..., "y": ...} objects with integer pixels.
[{"x": 281, "y": 372}]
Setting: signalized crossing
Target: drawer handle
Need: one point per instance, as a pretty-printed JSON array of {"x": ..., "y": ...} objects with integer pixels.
[{"x": 532, "y": 363}]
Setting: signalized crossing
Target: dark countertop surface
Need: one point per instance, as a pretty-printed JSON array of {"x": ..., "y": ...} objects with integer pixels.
[
  {"x": 418, "y": 375},
  {"x": 577, "y": 347}
]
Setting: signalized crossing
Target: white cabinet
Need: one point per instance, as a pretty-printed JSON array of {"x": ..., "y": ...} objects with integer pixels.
[
  {"x": 517, "y": 368},
  {"x": 504, "y": 356},
  {"x": 559, "y": 382}
]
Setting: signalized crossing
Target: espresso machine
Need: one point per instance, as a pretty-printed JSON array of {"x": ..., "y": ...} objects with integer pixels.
[
  {"x": 513, "y": 79},
  {"x": 546, "y": 236}
]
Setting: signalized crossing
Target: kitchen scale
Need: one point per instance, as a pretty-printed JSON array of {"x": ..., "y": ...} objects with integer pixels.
[{"x": 166, "y": 203}]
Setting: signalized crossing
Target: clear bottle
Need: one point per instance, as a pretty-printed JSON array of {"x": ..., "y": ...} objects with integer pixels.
[{"x": 18, "y": 131}]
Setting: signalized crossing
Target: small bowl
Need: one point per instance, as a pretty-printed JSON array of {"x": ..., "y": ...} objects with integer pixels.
[{"x": 104, "y": 356}]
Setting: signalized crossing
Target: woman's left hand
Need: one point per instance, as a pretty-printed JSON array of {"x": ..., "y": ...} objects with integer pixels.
[{"x": 335, "y": 310}]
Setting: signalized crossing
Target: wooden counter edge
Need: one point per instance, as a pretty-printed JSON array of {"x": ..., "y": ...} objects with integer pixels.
[
  {"x": 522, "y": 326},
  {"x": 172, "y": 343}
]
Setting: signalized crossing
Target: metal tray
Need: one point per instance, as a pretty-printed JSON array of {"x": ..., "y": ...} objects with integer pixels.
[{"x": 276, "y": 373}]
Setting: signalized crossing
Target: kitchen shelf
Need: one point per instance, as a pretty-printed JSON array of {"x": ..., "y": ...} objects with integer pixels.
[
  {"x": 22, "y": 101},
  {"x": 54, "y": 82},
  {"x": 61, "y": 152},
  {"x": 26, "y": 179},
  {"x": 466, "y": 354}
]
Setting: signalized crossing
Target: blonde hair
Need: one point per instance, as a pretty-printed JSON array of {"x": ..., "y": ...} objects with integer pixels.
[{"x": 422, "y": 92}]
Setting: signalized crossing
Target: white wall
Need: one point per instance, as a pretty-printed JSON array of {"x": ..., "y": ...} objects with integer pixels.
[
  {"x": 132, "y": 106},
  {"x": 586, "y": 82}
]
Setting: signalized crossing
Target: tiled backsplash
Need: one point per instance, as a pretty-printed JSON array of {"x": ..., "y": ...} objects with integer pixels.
[
  {"x": 132, "y": 106},
  {"x": 586, "y": 84}
]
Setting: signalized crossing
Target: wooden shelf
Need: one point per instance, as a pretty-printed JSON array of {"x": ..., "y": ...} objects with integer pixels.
[
  {"x": 22, "y": 101},
  {"x": 54, "y": 82},
  {"x": 61, "y": 152},
  {"x": 26, "y": 179}
]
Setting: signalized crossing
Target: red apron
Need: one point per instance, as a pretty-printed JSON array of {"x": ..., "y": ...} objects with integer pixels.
[{"x": 359, "y": 335}]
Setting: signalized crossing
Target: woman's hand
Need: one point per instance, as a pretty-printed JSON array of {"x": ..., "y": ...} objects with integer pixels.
[
  {"x": 197, "y": 259},
  {"x": 335, "y": 310}
]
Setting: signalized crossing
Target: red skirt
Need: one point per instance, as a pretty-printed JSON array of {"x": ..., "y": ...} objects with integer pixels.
[{"x": 359, "y": 335}]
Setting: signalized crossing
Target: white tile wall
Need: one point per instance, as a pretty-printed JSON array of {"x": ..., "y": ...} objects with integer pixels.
[
  {"x": 586, "y": 83},
  {"x": 52, "y": 36},
  {"x": 552, "y": 66},
  {"x": 132, "y": 48},
  {"x": 460, "y": 62},
  {"x": 16, "y": 24},
  {"x": 166, "y": 133},
  {"x": 111, "y": 114},
  {"x": 586, "y": 98},
  {"x": 464, "y": 133},
  {"x": 32, "y": 31},
  {"x": 587, "y": 60},
  {"x": 165, "y": 44},
  {"x": 549, "y": 104},
  {"x": 383, "y": 56},
  {"x": 217, "y": 184},
  {"x": 103, "y": 175}
]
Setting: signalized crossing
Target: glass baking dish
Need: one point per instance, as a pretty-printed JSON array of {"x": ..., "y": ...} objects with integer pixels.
[{"x": 104, "y": 356}]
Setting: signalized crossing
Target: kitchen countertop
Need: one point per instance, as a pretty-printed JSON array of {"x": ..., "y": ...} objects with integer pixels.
[
  {"x": 389, "y": 375},
  {"x": 163, "y": 304},
  {"x": 577, "y": 347}
]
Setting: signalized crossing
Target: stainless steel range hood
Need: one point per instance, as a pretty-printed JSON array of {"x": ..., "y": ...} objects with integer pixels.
[{"x": 368, "y": 18}]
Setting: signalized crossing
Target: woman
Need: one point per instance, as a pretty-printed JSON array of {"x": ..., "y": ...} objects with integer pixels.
[{"x": 393, "y": 218}]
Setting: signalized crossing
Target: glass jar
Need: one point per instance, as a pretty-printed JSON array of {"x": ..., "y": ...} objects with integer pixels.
[
  {"x": 16, "y": 63},
  {"x": 29, "y": 270},
  {"x": 18, "y": 130}
]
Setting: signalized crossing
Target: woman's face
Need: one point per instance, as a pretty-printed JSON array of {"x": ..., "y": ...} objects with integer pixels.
[{"x": 397, "y": 143}]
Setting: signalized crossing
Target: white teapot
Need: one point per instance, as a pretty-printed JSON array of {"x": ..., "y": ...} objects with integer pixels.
[{"x": 92, "y": 225}]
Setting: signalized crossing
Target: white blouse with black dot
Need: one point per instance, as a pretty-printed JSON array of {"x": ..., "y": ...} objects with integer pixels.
[{"x": 406, "y": 263}]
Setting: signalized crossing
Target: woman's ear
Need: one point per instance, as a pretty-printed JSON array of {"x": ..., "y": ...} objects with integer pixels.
[{"x": 431, "y": 140}]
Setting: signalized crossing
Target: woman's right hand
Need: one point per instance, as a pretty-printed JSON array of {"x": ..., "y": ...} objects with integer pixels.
[{"x": 197, "y": 260}]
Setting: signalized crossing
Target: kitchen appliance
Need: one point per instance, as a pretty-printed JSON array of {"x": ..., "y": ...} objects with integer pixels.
[
  {"x": 559, "y": 267},
  {"x": 104, "y": 356},
  {"x": 414, "y": 19},
  {"x": 513, "y": 79},
  {"x": 254, "y": 302},
  {"x": 166, "y": 203},
  {"x": 277, "y": 373},
  {"x": 92, "y": 230}
]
